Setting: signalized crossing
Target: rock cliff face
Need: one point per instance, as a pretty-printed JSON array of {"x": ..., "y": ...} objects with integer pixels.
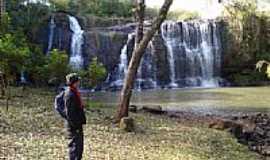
[
  {"x": 105, "y": 45},
  {"x": 62, "y": 33},
  {"x": 181, "y": 54},
  {"x": 99, "y": 41},
  {"x": 161, "y": 54}
]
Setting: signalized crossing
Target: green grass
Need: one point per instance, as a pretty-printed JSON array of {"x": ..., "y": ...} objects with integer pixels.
[{"x": 31, "y": 130}]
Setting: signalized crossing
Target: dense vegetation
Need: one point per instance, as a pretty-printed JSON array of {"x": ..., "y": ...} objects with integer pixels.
[
  {"x": 103, "y": 8},
  {"x": 173, "y": 15},
  {"x": 247, "y": 41},
  {"x": 21, "y": 52}
]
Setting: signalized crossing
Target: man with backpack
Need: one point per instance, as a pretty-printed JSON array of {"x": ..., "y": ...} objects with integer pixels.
[{"x": 75, "y": 116}]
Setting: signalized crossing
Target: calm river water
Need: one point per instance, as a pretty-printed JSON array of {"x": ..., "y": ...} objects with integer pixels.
[{"x": 208, "y": 101}]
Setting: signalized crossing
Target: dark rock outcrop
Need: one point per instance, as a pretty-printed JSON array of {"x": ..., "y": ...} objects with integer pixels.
[
  {"x": 160, "y": 54},
  {"x": 251, "y": 130},
  {"x": 62, "y": 32},
  {"x": 89, "y": 22},
  {"x": 105, "y": 45},
  {"x": 153, "y": 109}
]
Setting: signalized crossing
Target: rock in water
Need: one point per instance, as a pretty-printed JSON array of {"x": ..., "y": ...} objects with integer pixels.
[{"x": 127, "y": 124}]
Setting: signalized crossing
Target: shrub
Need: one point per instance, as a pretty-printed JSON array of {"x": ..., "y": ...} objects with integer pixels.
[
  {"x": 94, "y": 74},
  {"x": 57, "y": 67},
  {"x": 173, "y": 15},
  {"x": 14, "y": 53},
  {"x": 103, "y": 8}
]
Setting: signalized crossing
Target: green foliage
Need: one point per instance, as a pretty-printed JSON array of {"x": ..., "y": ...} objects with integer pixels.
[
  {"x": 18, "y": 49},
  {"x": 97, "y": 72},
  {"x": 4, "y": 23},
  {"x": 244, "y": 27},
  {"x": 14, "y": 52},
  {"x": 173, "y": 15},
  {"x": 61, "y": 4},
  {"x": 250, "y": 78},
  {"x": 246, "y": 39},
  {"x": 103, "y": 8},
  {"x": 94, "y": 75},
  {"x": 35, "y": 65},
  {"x": 94, "y": 105},
  {"x": 183, "y": 15},
  {"x": 27, "y": 18},
  {"x": 56, "y": 68}
]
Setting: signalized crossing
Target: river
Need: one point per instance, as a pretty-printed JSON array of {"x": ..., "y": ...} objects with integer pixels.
[{"x": 208, "y": 101}]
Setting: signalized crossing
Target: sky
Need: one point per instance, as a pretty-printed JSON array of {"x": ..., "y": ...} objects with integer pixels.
[
  {"x": 183, "y": 4},
  {"x": 203, "y": 7},
  {"x": 206, "y": 8}
]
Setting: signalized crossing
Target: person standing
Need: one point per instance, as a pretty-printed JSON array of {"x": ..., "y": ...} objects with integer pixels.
[{"x": 75, "y": 117}]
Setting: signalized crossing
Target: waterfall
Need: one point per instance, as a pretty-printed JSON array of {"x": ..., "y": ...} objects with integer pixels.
[
  {"x": 76, "y": 59},
  {"x": 23, "y": 78},
  {"x": 170, "y": 43},
  {"x": 193, "y": 53},
  {"x": 139, "y": 78},
  {"x": 118, "y": 79},
  {"x": 192, "y": 57},
  {"x": 51, "y": 35},
  {"x": 145, "y": 74}
]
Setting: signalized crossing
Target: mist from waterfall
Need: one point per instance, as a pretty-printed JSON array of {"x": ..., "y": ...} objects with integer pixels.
[{"x": 76, "y": 59}]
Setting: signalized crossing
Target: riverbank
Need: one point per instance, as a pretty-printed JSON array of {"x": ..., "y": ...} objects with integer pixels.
[{"x": 30, "y": 130}]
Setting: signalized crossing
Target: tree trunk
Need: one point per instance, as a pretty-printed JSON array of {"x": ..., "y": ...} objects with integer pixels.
[
  {"x": 2, "y": 8},
  {"x": 2, "y": 84},
  {"x": 139, "y": 17},
  {"x": 136, "y": 59}
]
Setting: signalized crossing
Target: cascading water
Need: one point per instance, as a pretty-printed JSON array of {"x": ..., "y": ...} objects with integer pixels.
[
  {"x": 145, "y": 77},
  {"x": 23, "y": 78},
  {"x": 193, "y": 53},
  {"x": 76, "y": 59},
  {"x": 51, "y": 35},
  {"x": 117, "y": 80},
  {"x": 170, "y": 43},
  {"x": 193, "y": 56}
]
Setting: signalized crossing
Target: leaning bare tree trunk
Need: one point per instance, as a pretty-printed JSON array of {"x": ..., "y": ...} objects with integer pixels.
[
  {"x": 139, "y": 17},
  {"x": 135, "y": 61}
]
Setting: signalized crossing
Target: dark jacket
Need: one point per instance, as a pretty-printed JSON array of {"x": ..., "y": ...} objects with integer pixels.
[{"x": 75, "y": 114}]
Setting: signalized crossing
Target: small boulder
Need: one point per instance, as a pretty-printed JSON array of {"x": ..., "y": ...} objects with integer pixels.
[
  {"x": 127, "y": 124},
  {"x": 133, "y": 108},
  {"x": 155, "y": 109},
  {"x": 222, "y": 124}
]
